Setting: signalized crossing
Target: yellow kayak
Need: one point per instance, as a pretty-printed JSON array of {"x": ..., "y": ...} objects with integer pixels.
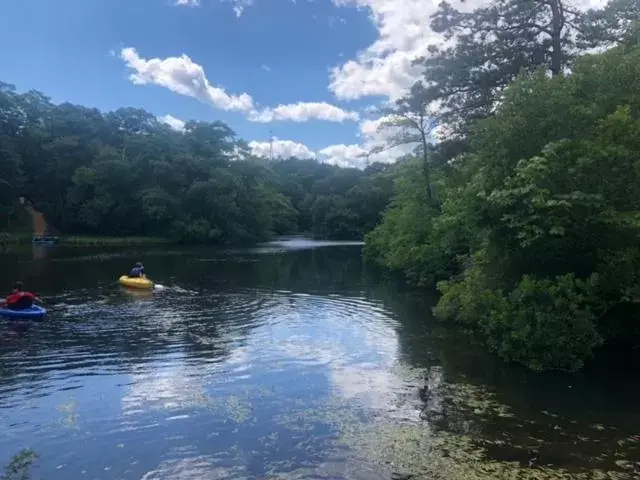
[{"x": 136, "y": 282}]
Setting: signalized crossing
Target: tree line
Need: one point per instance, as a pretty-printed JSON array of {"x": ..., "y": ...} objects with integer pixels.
[
  {"x": 527, "y": 217},
  {"x": 126, "y": 173}
]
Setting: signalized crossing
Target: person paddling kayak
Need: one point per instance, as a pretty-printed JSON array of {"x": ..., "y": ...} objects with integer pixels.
[
  {"x": 19, "y": 299},
  {"x": 137, "y": 271}
]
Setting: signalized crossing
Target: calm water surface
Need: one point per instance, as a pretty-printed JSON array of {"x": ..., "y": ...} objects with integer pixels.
[{"x": 282, "y": 361}]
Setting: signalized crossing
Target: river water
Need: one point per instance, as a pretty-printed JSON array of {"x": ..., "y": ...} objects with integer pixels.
[{"x": 283, "y": 361}]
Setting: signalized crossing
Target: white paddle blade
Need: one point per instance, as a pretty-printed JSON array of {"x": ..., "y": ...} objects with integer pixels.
[{"x": 158, "y": 287}]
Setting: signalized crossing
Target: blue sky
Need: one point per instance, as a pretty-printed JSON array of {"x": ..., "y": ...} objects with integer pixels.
[{"x": 310, "y": 71}]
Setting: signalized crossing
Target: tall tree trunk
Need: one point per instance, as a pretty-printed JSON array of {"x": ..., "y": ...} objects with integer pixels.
[
  {"x": 557, "y": 26},
  {"x": 425, "y": 161}
]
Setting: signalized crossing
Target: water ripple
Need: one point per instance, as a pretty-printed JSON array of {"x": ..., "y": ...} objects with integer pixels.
[
  {"x": 174, "y": 347},
  {"x": 247, "y": 369}
]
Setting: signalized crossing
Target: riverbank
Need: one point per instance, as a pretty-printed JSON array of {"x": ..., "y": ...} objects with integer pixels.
[
  {"x": 97, "y": 241},
  {"x": 25, "y": 238}
]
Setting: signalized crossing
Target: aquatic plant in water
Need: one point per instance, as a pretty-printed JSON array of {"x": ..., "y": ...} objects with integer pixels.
[{"x": 19, "y": 468}]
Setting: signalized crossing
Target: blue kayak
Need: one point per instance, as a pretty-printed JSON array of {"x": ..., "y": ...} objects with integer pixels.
[{"x": 34, "y": 312}]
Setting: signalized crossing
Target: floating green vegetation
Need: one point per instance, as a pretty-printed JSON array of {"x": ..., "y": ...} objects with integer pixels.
[
  {"x": 19, "y": 468},
  {"x": 69, "y": 412},
  {"x": 432, "y": 451},
  {"x": 479, "y": 401},
  {"x": 436, "y": 455},
  {"x": 238, "y": 409},
  {"x": 235, "y": 408}
]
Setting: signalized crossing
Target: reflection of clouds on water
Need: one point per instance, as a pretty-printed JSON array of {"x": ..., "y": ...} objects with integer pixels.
[
  {"x": 291, "y": 244},
  {"x": 354, "y": 341},
  {"x": 162, "y": 387},
  {"x": 193, "y": 468},
  {"x": 350, "y": 342},
  {"x": 357, "y": 343},
  {"x": 179, "y": 383}
]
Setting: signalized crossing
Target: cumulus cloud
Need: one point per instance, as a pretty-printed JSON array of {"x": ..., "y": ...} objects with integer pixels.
[
  {"x": 185, "y": 77},
  {"x": 303, "y": 112},
  {"x": 353, "y": 155},
  {"x": 376, "y": 137},
  {"x": 281, "y": 149},
  {"x": 344, "y": 155},
  {"x": 173, "y": 122},
  {"x": 372, "y": 132},
  {"x": 385, "y": 67},
  {"x": 377, "y": 131}
]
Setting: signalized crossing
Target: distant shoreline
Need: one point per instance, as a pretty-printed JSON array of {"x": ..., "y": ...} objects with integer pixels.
[{"x": 23, "y": 238}]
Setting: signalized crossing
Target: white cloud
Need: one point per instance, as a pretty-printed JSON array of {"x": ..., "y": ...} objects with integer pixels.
[
  {"x": 181, "y": 75},
  {"x": 341, "y": 155},
  {"x": 188, "y": 3},
  {"x": 173, "y": 122},
  {"x": 373, "y": 134},
  {"x": 281, "y": 149},
  {"x": 303, "y": 112},
  {"x": 185, "y": 77},
  {"x": 265, "y": 67},
  {"x": 240, "y": 5},
  {"x": 344, "y": 155},
  {"x": 385, "y": 67}
]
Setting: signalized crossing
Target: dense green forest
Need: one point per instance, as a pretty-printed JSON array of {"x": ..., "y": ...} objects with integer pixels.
[
  {"x": 527, "y": 217},
  {"x": 126, "y": 173}
]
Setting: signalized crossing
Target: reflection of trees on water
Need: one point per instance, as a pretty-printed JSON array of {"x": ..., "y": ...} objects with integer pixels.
[
  {"x": 320, "y": 270},
  {"x": 324, "y": 269}
]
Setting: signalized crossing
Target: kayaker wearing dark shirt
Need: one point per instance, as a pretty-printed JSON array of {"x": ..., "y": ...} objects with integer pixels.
[
  {"x": 137, "y": 271},
  {"x": 19, "y": 299}
]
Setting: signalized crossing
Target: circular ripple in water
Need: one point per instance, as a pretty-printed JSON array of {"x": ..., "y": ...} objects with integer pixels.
[{"x": 122, "y": 384}]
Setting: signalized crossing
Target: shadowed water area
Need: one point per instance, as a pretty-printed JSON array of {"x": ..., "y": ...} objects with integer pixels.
[{"x": 281, "y": 361}]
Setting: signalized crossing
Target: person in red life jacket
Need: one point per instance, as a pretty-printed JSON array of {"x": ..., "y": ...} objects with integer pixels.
[{"x": 19, "y": 299}]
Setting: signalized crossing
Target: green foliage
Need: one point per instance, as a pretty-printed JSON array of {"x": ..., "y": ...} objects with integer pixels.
[
  {"x": 125, "y": 174},
  {"x": 533, "y": 234},
  {"x": 20, "y": 465},
  {"x": 543, "y": 324},
  {"x": 413, "y": 237},
  {"x": 332, "y": 202},
  {"x": 494, "y": 44},
  {"x": 497, "y": 42}
]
